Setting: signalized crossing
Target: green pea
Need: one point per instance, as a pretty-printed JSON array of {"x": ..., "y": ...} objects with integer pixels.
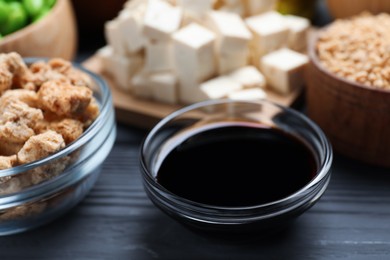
[
  {"x": 33, "y": 7},
  {"x": 4, "y": 12},
  {"x": 17, "y": 18},
  {"x": 41, "y": 14},
  {"x": 50, "y": 3}
]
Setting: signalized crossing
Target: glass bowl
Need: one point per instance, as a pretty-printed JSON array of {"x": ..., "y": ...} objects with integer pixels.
[
  {"x": 69, "y": 173},
  {"x": 269, "y": 216}
]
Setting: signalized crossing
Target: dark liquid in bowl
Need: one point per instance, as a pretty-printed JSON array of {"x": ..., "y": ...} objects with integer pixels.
[{"x": 237, "y": 165}]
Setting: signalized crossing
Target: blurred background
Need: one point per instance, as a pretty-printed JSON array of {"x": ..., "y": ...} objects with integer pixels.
[{"x": 92, "y": 14}]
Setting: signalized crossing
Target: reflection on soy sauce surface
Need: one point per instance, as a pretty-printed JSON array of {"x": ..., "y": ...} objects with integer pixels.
[{"x": 236, "y": 165}]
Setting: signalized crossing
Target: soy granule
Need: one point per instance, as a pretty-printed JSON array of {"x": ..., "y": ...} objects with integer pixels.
[
  {"x": 44, "y": 106},
  {"x": 358, "y": 49}
]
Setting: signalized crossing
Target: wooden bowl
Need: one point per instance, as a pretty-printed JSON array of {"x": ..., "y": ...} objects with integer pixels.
[
  {"x": 346, "y": 8},
  {"x": 53, "y": 36},
  {"x": 356, "y": 118}
]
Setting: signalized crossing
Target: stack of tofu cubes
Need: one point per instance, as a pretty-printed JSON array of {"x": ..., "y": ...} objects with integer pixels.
[{"x": 186, "y": 51}]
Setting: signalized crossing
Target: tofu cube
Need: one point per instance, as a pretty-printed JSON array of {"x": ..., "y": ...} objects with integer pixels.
[
  {"x": 158, "y": 56},
  {"x": 114, "y": 36},
  {"x": 233, "y": 2},
  {"x": 255, "y": 7},
  {"x": 140, "y": 85},
  {"x": 164, "y": 87},
  {"x": 283, "y": 70},
  {"x": 238, "y": 9},
  {"x": 215, "y": 88},
  {"x": 104, "y": 54},
  {"x": 250, "y": 94},
  {"x": 270, "y": 33},
  {"x": 194, "y": 58},
  {"x": 194, "y": 11},
  {"x": 122, "y": 68},
  {"x": 299, "y": 28},
  {"x": 188, "y": 95},
  {"x": 161, "y": 20},
  {"x": 135, "y": 5},
  {"x": 189, "y": 18},
  {"x": 233, "y": 35},
  {"x": 249, "y": 77},
  {"x": 227, "y": 62},
  {"x": 218, "y": 87},
  {"x": 196, "y": 7},
  {"x": 130, "y": 27},
  {"x": 232, "y": 40}
]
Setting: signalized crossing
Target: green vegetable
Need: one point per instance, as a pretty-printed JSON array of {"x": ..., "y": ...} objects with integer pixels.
[
  {"x": 15, "y": 14},
  {"x": 17, "y": 18},
  {"x": 33, "y": 7},
  {"x": 41, "y": 14},
  {"x": 50, "y": 3},
  {"x": 4, "y": 12}
]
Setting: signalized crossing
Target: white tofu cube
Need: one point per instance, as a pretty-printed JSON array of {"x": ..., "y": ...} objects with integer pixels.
[
  {"x": 218, "y": 87},
  {"x": 232, "y": 40},
  {"x": 270, "y": 33},
  {"x": 130, "y": 26},
  {"x": 238, "y": 9},
  {"x": 158, "y": 56},
  {"x": 255, "y": 7},
  {"x": 299, "y": 27},
  {"x": 114, "y": 36},
  {"x": 283, "y": 70},
  {"x": 135, "y": 5},
  {"x": 196, "y": 7},
  {"x": 122, "y": 68},
  {"x": 231, "y": 30},
  {"x": 140, "y": 85},
  {"x": 164, "y": 87},
  {"x": 189, "y": 18},
  {"x": 161, "y": 20},
  {"x": 194, "y": 58},
  {"x": 194, "y": 11},
  {"x": 250, "y": 94},
  {"x": 215, "y": 88},
  {"x": 104, "y": 54},
  {"x": 249, "y": 77},
  {"x": 229, "y": 61},
  {"x": 188, "y": 94}
]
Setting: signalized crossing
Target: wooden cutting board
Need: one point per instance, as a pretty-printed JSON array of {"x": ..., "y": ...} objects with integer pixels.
[{"x": 146, "y": 113}]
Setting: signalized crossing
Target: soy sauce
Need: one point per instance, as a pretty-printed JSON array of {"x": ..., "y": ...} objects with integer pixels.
[{"x": 237, "y": 165}]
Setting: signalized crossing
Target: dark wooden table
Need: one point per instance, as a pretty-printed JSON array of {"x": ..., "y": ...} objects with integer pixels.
[{"x": 118, "y": 221}]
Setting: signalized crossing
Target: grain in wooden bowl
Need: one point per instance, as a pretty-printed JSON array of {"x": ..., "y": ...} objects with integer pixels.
[{"x": 348, "y": 86}]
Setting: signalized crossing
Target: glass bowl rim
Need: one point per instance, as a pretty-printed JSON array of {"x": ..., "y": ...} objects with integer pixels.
[{"x": 322, "y": 173}]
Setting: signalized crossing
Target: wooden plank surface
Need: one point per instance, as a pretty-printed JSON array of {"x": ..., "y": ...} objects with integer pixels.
[{"x": 145, "y": 113}]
